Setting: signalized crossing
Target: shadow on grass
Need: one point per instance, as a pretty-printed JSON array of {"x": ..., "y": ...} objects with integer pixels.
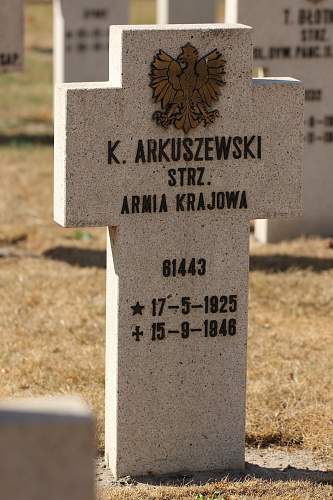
[
  {"x": 269, "y": 264},
  {"x": 288, "y": 474},
  {"x": 20, "y": 140},
  {"x": 77, "y": 256},
  {"x": 252, "y": 471},
  {"x": 282, "y": 263},
  {"x": 42, "y": 50}
]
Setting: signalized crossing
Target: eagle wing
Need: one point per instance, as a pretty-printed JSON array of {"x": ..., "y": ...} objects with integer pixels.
[
  {"x": 165, "y": 79},
  {"x": 210, "y": 73}
]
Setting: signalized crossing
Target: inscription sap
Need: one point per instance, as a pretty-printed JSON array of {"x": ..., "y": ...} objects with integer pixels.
[{"x": 9, "y": 59}]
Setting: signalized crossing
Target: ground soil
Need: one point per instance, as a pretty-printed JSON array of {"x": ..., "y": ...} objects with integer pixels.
[
  {"x": 269, "y": 473},
  {"x": 268, "y": 464}
]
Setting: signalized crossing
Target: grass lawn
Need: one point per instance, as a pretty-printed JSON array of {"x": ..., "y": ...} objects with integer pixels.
[{"x": 52, "y": 302}]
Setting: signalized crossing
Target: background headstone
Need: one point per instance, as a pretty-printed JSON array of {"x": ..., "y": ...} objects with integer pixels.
[
  {"x": 295, "y": 37},
  {"x": 186, "y": 11},
  {"x": 11, "y": 35},
  {"x": 178, "y": 259},
  {"x": 81, "y": 38},
  {"x": 46, "y": 450}
]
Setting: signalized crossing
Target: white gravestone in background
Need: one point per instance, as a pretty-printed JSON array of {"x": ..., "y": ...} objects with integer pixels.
[
  {"x": 295, "y": 37},
  {"x": 47, "y": 450},
  {"x": 11, "y": 35},
  {"x": 81, "y": 38},
  {"x": 186, "y": 11},
  {"x": 176, "y": 154}
]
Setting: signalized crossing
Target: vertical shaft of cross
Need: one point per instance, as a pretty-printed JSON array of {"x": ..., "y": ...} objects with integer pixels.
[{"x": 168, "y": 385}]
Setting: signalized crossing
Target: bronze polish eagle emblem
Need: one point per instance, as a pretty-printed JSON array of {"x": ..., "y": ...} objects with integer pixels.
[{"x": 187, "y": 87}]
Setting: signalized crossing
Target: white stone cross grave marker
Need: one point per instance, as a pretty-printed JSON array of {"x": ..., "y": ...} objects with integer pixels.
[
  {"x": 11, "y": 35},
  {"x": 186, "y": 11},
  {"x": 177, "y": 182},
  {"x": 296, "y": 37},
  {"x": 81, "y": 38}
]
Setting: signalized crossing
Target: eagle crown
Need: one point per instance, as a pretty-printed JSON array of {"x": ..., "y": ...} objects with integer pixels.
[{"x": 188, "y": 55}]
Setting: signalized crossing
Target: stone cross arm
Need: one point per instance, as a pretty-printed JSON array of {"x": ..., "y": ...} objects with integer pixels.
[{"x": 113, "y": 157}]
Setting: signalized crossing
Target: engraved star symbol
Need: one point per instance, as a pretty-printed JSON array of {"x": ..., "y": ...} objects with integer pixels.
[{"x": 137, "y": 309}]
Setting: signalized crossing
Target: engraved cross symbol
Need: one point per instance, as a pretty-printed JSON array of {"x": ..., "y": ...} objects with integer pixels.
[{"x": 137, "y": 333}]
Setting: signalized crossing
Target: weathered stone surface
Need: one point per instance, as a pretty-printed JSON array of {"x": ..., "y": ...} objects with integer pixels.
[
  {"x": 46, "y": 450},
  {"x": 186, "y": 11},
  {"x": 11, "y": 35},
  {"x": 81, "y": 38},
  {"x": 178, "y": 232},
  {"x": 296, "y": 39}
]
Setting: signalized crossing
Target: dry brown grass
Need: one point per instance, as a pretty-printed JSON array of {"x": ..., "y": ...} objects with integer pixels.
[
  {"x": 52, "y": 310},
  {"x": 247, "y": 490},
  {"x": 290, "y": 364}
]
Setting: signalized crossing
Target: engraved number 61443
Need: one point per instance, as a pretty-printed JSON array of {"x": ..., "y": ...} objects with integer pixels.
[{"x": 183, "y": 267}]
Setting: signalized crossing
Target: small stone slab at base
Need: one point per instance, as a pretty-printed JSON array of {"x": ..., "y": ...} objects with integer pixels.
[{"x": 46, "y": 450}]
